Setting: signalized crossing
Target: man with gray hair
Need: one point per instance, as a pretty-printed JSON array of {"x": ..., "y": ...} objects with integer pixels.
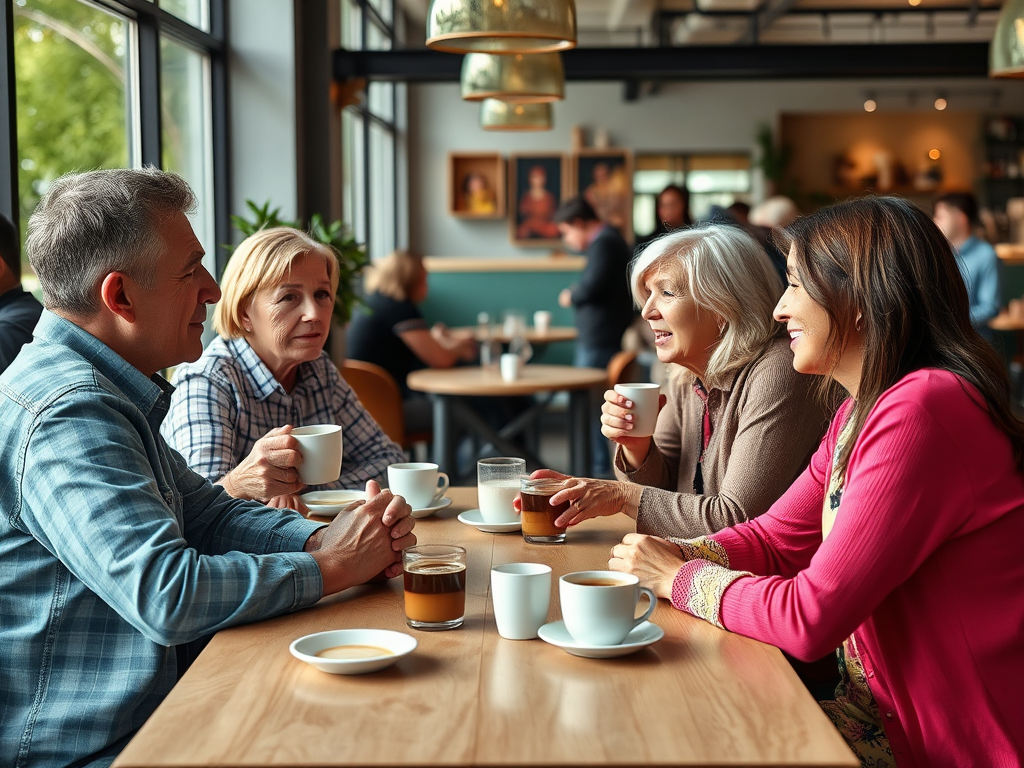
[{"x": 112, "y": 551}]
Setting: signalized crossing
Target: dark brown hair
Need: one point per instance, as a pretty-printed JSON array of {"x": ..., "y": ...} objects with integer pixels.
[{"x": 883, "y": 257}]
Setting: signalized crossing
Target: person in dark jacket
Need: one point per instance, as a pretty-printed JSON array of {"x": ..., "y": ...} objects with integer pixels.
[
  {"x": 19, "y": 310},
  {"x": 601, "y": 298}
]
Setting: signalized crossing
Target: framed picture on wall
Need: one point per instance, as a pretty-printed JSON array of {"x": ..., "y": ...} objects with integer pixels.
[
  {"x": 476, "y": 185},
  {"x": 604, "y": 177},
  {"x": 536, "y": 189}
]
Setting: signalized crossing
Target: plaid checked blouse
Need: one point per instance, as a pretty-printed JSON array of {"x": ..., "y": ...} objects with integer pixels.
[{"x": 228, "y": 399}]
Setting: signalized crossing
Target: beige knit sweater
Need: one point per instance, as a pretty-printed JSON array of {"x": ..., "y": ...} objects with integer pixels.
[{"x": 765, "y": 426}]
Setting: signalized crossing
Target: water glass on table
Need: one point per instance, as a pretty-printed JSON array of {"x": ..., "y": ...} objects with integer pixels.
[{"x": 497, "y": 487}]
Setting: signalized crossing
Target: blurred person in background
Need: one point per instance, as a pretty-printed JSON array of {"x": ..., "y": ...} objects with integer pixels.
[
  {"x": 672, "y": 212},
  {"x": 956, "y": 215},
  {"x": 19, "y": 310},
  {"x": 392, "y": 333},
  {"x": 601, "y": 298}
]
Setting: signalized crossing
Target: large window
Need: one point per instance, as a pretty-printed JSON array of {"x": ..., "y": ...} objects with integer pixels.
[
  {"x": 712, "y": 179},
  {"x": 369, "y": 134},
  {"x": 123, "y": 84}
]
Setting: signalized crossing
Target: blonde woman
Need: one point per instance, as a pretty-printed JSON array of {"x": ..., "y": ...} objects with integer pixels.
[
  {"x": 394, "y": 335},
  {"x": 737, "y": 425},
  {"x": 266, "y": 373}
]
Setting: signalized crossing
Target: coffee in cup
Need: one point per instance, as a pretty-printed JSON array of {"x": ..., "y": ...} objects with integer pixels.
[
  {"x": 538, "y": 513},
  {"x": 320, "y": 446},
  {"x": 599, "y": 607},
  {"x": 418, "y": 482},
  {"x": 435, "y": 586}
]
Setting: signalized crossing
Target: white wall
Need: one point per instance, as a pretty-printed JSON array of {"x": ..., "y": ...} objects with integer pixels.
[
  {"x": 261, "y": 73},
  {"x": 682, "y": 116}
]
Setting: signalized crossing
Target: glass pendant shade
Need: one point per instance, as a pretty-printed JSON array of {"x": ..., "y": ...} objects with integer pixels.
[
  {"x": 498, "y": 115},
  {"x": 501, "y": 26},
  {"x": 1006, "y": 54},
  {"x": 521, "y": 78}
]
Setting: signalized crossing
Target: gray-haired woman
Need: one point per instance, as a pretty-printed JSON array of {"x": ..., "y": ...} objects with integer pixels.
[{"x": 737, "y": 424}]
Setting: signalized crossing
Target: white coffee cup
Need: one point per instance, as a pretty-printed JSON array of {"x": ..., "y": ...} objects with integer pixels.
[
  {"x": 541, "y": 321},
  {"x": 320, "y": 446},
  {"x": 521, "y": 595},
  {"x": 418, "y": 482},
  {"x": 511, "y": 365},
  {"x": 645, "y": 407},
  {"x": 599, "y": 607}
]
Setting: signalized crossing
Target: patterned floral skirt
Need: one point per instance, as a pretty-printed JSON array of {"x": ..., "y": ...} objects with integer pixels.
[{"x": 855, "y": 713}]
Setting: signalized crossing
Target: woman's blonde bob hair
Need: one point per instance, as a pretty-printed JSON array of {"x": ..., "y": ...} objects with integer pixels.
[
  {"x": 728, "y": 274},
  {"x": 396, "y": 275},
  {"x": 262, "y": 260}
]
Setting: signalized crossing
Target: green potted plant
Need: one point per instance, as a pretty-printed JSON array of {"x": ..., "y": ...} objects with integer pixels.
[
  {"x": 773, "y": 160},
  {"x": 352, "y": 258}
]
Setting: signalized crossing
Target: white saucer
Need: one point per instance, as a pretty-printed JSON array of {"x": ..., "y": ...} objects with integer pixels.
[
  {"x": 645, "y": 634},
  {"x": 474, "y": 518},
  {"x": 428, "y": 511},
  {"x": 338, "y": 501},
  {"x": 397, "y": 644}
]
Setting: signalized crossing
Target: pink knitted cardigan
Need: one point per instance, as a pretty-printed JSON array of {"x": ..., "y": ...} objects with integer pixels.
[{"x": 924, "y": 566}]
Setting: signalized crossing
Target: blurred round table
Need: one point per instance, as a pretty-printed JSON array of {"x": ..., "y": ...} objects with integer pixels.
[
  {"x": 448, "y": 387},
  {"x": 535, "y": 337}
]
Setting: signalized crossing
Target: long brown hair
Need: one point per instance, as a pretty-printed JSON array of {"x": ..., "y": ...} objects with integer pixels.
[{"x": 885, "y": 258}]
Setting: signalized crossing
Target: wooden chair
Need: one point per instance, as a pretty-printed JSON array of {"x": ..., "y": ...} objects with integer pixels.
[
  {"x": 380, "y": 395},
  {"x": 623, "y": 368}
]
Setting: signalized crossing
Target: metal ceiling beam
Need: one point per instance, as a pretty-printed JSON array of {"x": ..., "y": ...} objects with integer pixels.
[{"x": 717, "y": 62}]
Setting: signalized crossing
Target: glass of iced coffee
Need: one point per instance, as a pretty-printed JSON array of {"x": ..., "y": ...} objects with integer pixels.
[
  {"x": 435, "y": 586},
  {"x": 538, "y": 514}
]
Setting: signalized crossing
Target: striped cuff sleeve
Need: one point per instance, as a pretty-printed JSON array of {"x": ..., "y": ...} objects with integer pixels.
[{"x": 698, "y": 588}]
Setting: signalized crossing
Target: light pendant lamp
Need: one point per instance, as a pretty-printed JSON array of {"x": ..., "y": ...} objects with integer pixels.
[
  {"x": 498, "y": 115},
  {"x": 1006, "y": 54},
  {"x": 522, "y": 78},
  {"x": 501, "y": 26}
]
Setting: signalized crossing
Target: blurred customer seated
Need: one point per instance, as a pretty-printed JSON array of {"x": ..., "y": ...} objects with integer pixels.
[
  {"x": 672, "y": 212},
  {"x": 19, "y": 310},
  {"x": 392, "y": 332}
]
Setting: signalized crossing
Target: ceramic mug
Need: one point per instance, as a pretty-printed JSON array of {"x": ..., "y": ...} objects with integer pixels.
[
  {"x": 599, "y": 607},
  {"x": 418, "y": 482},
  {"x": 320, "y": 446}
]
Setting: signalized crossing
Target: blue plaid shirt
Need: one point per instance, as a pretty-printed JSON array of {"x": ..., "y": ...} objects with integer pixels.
[
  {"x": 228, "y": 399},
  {"x": 112, "y": 550}
]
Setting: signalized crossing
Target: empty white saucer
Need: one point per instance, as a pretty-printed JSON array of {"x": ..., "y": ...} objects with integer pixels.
[
  {"x": 476, "y": 519},
  {"x": 330, "y": 503},
  {"x": 428, "y": 511},
  {"x": 645, "y": 634}
]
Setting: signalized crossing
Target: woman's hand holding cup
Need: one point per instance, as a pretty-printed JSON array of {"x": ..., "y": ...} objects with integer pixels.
[
  {"x": 269, "y": 470},
  {"x": 620, "y": 419}
]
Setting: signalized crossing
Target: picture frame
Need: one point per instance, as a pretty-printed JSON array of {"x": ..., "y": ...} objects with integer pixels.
[
  {"x": 537, "y": 187},
  {"x": 604, "y": 177},
  {"x": 476, "y": 185}
]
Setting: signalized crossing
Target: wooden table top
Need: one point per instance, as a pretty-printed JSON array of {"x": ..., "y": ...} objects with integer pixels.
[
  {"x": 551, "y": 335},
  {"x": 698, "y": 697},
  {"x": 488, "y": 381}
]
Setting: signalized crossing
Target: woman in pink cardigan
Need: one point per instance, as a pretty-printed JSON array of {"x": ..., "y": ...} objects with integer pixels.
[{"x": 901, "y": 542}]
